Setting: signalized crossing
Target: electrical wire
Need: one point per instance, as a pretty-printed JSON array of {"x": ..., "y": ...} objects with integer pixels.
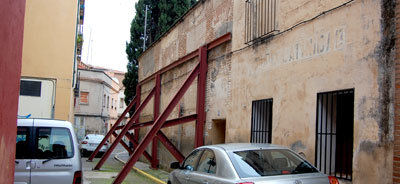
[{"x": 282, "y": 32}]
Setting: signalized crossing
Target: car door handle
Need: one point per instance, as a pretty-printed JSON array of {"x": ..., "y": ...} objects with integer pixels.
[
  {"x": 33, "y": 165},
  {"x": 28, "y": 165}
]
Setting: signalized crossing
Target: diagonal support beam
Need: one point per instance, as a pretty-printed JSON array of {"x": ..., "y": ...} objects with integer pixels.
[
  {"x": 123, "y": 144},
  {"x": 168, "y": 123},
  {"x": 124, "y": 130},
  {"x": 109, "y": 133},
  {"x": 171, "y": 148},
  {"x": 157, "y": 126},
  {"x": 136, "y": 143}
]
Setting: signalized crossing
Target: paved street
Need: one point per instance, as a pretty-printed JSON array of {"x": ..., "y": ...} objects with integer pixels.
[{"x": 112, "y": 167}]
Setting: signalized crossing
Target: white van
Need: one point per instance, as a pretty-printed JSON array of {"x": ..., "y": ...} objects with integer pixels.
[{"x": 47, "y": 152}]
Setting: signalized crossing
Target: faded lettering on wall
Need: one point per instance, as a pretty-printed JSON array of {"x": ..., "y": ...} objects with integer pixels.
[{"x": 308, "y": 48}]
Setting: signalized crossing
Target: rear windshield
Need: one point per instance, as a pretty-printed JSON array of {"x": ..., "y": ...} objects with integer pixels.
[
  {"x": 54, "y": 143},
  {"x": 271, "y": 162}
]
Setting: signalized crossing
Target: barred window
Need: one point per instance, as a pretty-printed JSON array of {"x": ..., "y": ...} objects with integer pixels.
[
  {"x": 261, "y": 121},
  {"x": 260, "y": 18},
  {"x": 334, "y": 133}
]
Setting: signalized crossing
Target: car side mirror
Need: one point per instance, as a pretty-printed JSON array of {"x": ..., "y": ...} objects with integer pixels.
[
  {"x": 175, "y": 165},
  {"x": 302, "y": 155},
  {"x": 211, "y": 162}
]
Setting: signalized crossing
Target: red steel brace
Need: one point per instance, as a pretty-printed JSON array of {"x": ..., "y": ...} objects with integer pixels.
[
  {"x": 124, "y": 131},
  {"x": 156, "y": 127},
  {"x": 154, "y": 162},
  {"x": 171, "y": 148},
  {"x": 109, "y": 133},
  {"x": 201, "y": 97},
  {"x": 160, "y": 122}
]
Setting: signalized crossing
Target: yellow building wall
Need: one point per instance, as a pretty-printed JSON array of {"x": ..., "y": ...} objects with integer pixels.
[{"x": 48, "y": 48}]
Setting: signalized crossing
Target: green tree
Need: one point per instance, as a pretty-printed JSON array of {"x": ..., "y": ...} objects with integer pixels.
[{"x": 161, "y": 15}]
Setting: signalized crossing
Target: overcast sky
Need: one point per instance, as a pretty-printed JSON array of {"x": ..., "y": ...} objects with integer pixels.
[{"x": 105, "y": 31}]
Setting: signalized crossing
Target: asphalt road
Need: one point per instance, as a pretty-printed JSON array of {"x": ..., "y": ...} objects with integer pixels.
[{"x": 109, "y": 171}]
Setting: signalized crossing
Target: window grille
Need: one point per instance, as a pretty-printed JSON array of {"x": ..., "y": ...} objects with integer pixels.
[
  {"x": 261, "y": 121},
  {"x": 334, "y": 133},
  {"x": 260, "y": 18},
  {"x": 30, "y": 88}
]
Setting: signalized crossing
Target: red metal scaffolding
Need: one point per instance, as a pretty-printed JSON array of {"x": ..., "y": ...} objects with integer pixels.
[{"x": 160, "y": 119}]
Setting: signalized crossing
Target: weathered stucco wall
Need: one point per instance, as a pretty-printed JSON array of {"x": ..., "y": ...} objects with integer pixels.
[
  {"x": 348, "y": 47},
  {"x": 48, "y": 50},
  {"x": 98, "y": 114},
  {"x": 207, "y": 21},
  {"x": 339, "y": 50}
]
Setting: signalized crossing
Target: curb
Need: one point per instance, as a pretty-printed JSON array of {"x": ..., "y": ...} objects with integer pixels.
[{"x": 140, "y": 171}]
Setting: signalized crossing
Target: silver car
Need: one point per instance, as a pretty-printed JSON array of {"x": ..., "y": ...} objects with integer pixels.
[
  {"x": 47, "y": 152},
  {"x": 246, "y": 163},
  {"x": 90, "y": 143}
]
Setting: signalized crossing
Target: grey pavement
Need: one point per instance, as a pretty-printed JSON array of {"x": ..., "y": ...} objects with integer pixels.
[
  {"x": 112, "y": 167},
  {"x": 158, "y": 173}
]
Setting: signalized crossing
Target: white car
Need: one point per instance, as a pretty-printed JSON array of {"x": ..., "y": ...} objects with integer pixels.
[
  {"x": 47, "y": 151},
  {"x": 90, "y": 143}
]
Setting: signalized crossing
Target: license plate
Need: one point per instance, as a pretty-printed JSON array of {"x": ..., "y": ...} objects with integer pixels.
[{"x": 92, "y": 144}]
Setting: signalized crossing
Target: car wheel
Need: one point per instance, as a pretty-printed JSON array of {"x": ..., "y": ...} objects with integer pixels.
[
  {"x": 84, "y": 153},
  {"x": 99, "y": 154}
]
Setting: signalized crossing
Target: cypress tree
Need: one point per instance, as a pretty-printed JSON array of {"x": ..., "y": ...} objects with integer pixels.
[{"x": 161, "y": 15}]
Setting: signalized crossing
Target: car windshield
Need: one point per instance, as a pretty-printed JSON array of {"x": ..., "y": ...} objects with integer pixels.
[{"x": 269, "y": 162}]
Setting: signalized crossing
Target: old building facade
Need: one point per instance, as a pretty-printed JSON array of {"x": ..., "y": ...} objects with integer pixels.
[
  {"x": 48, "y": 72},
  {"x": 315, "y": 76},
  {"x": 98, "y": 106}
]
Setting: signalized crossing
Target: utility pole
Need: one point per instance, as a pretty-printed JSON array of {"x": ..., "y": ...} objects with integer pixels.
[{"x": 145, "y": 25}]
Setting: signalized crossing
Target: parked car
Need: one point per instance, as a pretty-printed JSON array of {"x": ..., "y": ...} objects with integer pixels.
[
  {"x": 90, "y": 143},
  {"x": 47, "y": 151},
  {"x": 246, "y": 163}
]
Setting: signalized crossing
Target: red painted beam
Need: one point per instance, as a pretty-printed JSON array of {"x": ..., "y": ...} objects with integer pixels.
[
  {"x": 171, "y": 148},
  {"x": 138, "y": 94},
  {"x": 155, "y": 162},
  {"x": 11, "y": 37},
  {"x": 123, "y": 144},
  {"x": 170, "y": 66},
  {"x": 201, "y": 96},
  {"x": 135, "y": 143},
  {"x": 136, "y": 125},
  {"x": 124, "y": 131},
  {"x": 211, "y": 45},
  {"x": 140, "y": 125},
  {"x": 215, "y": 43},
  {"x": 167, "y": 123},
  {"x": 181, "y": 120},
  {"x": 132, "y": 139},
  {"x": 157, "y": 126},
  {"x": 109, "y": 133}
]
